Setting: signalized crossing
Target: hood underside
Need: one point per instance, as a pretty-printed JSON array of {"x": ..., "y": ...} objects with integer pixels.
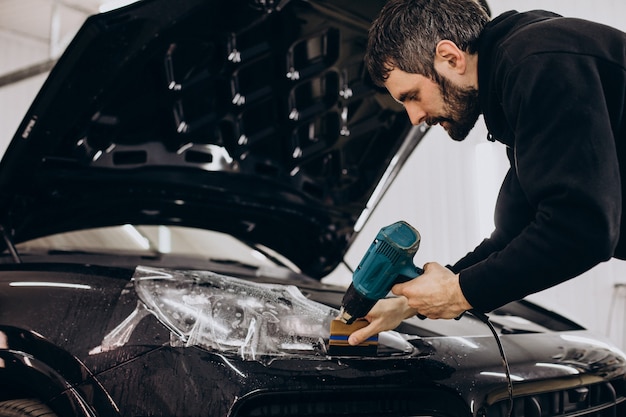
[{"x": 251, "y": 117}]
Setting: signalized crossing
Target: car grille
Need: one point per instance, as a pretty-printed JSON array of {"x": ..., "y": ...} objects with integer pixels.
[
  {"x": 606, "y": 399},
  {"x": 353, "y": 403},
  {"x": 593, "y": 400}
]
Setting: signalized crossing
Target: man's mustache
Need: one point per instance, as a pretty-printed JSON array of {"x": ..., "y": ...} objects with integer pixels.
[{"x": 438, "y": 120}]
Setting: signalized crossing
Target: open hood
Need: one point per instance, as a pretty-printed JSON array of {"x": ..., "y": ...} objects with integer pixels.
[{"x": 251, "y": 117}]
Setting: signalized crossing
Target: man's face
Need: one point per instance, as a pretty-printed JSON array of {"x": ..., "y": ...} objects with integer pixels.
[{"x": 455, "y": 108}]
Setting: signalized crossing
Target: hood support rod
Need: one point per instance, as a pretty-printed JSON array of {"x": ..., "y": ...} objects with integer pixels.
[{"x": 10, "y": 245}]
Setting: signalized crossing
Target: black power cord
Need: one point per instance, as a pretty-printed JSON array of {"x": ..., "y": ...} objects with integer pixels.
[{"x": 483, "y": 317}]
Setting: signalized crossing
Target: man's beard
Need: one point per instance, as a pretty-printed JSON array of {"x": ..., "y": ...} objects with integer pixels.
[{"x": 462, "y": 109}]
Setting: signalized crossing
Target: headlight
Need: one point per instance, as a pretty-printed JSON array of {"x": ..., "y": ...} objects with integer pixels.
[
  {"x": 218, "y": 312},
  {"x": 214, "y": 311}
]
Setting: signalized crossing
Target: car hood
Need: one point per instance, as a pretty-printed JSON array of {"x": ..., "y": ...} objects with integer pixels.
[{"x": 251, "y": 117}]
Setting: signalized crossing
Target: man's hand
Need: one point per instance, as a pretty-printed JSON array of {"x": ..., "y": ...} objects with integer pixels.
[
  {"x": 386, "y": 314},
  {"x": 435, "y": 294}
]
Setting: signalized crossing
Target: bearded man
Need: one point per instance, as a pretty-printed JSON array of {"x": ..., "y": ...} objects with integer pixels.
[{"x": 553, "y": 91}]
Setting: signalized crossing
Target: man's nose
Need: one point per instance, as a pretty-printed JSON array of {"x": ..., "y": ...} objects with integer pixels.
[{"x": 416, "y": 114}]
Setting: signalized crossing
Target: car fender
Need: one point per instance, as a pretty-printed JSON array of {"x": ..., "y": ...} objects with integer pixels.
[{"x": 32, "y": 367}]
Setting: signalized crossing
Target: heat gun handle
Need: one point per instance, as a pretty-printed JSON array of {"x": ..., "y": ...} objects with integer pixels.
[
  {"x": 404, "y": 278},
  {"x": 406, "y": 275}
]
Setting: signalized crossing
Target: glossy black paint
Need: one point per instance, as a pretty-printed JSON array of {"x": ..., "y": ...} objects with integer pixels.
[
  {"x": 150, "y": 376},
  {"x": 32, "y": 367}
]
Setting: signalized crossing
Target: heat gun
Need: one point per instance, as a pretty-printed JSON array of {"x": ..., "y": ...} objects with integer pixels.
[{"x": 389, "y": 260}]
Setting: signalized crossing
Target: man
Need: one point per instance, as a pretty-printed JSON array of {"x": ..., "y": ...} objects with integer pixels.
[{"x": 551, "y": 89}]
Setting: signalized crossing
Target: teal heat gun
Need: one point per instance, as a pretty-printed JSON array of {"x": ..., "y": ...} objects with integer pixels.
[{"x": 388, "y": 261}]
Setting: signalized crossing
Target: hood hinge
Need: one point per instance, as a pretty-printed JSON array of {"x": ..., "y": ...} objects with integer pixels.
[{"x": 10, "y": 245}]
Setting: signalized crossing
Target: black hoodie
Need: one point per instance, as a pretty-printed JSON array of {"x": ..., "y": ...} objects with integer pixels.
[{"x": 552, "y": 89}]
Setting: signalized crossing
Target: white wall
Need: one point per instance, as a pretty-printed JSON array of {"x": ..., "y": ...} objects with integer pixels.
[
  {"x": 42, "y": 38},
  {"x": 17, "y": 52},
  {"x": 449, "y": 189}
]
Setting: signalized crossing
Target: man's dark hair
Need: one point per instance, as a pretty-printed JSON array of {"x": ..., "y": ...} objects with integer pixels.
[{"x": 406, "y": 32}]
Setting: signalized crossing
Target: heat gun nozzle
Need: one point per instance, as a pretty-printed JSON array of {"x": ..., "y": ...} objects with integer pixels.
[{"x": 354, "y": 305}]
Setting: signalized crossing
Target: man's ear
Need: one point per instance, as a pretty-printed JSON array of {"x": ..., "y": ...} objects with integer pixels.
[{"x": 449, "y": 58}]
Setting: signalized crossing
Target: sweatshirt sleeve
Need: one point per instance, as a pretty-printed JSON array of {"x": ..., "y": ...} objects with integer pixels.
[{"x": 558, "y": 212}]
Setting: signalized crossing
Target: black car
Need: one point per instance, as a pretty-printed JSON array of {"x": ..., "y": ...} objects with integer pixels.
[{"x": 187, "y": 175}]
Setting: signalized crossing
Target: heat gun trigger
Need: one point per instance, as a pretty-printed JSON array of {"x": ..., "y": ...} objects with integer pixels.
[{"x": 403, "y": 278}]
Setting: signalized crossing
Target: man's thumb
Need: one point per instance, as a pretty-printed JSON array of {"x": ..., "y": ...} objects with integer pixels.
[
  {"x": 354, "y": 339},
  {"x": 358, "y": 336}
]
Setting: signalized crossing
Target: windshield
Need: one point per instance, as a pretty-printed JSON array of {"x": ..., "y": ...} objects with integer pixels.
[{"x": 153, "y": 240}]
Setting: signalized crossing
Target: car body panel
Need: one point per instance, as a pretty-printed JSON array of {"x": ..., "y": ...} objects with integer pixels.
[{"x": 466, "y": 370}]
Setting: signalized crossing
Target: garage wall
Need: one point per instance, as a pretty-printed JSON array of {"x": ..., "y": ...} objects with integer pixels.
[
  {"x": 449, "y": 189},
  {"x": 33, "y": 33},
  {"x": 17, "y": 52},
  {"x": 447, "y": 192}
]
